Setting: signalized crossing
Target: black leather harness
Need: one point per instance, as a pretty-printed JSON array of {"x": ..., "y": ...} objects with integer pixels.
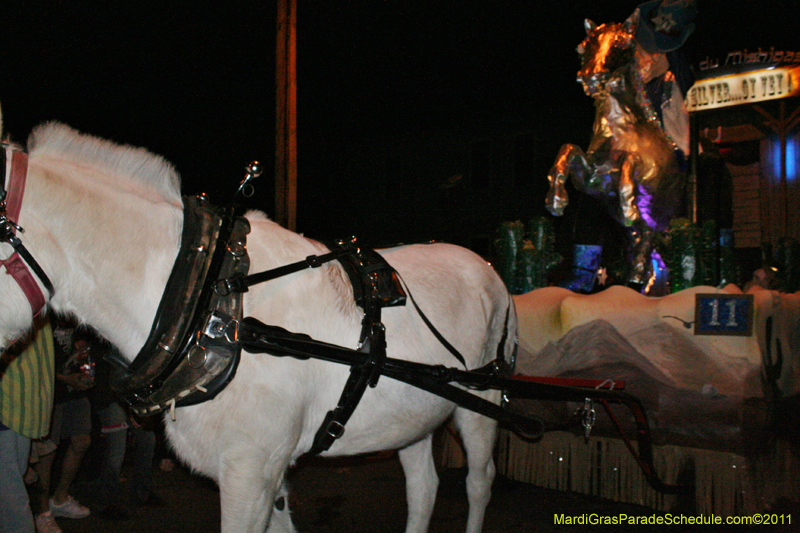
[
  {"x": 196, "y": 339},
  {"x": 195, "y": 342},
  {"x": 191, "y": 353}
]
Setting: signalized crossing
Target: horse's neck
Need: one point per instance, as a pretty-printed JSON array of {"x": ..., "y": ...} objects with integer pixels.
[
  {"x": 633, "y": 97},
  {"x": 108, "y": 250},
  {"x": 295, "y": 302}
]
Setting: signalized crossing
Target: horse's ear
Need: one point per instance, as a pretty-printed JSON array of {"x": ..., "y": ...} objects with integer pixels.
[
  {"x": 632, "y": 22},
  {"x": 589, "y": 26}
]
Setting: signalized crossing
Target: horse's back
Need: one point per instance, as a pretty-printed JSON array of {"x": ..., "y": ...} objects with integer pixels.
[{"x": 458, "y": 290}]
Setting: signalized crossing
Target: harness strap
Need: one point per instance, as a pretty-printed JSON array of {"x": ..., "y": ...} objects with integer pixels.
[
  {"x": 17, "y": 267},
  {"x": 368, "y": 272},
  {"x": 375, "y": 285},
  {"x": 257, "y": 337},
  {"x": 243, "y": 283},
  {"x": 439, "y": 337}
]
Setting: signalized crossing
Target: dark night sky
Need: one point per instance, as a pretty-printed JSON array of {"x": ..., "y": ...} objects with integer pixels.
[{"x": 195, "y": 81}]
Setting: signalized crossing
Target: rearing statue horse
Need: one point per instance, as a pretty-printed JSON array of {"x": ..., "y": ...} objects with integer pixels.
[{"x": 631, "y": 163}]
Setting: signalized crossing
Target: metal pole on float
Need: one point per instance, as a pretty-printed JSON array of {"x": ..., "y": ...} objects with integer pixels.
[
  {"x": 694, "y": 153},
  {"x": 286, "y": 116}
]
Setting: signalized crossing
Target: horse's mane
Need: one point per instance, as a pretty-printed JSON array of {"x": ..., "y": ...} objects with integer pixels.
[{"x": 60, "y": 140}]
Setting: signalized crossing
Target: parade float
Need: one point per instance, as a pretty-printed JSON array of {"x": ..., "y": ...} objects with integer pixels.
[{"x": 713, "y": 357}]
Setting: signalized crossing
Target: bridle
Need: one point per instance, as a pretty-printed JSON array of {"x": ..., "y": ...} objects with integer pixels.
[{"x": 13, "y": 174}]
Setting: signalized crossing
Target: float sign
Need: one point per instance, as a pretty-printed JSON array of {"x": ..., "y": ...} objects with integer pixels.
[
  {"x": 723, "y": 314},
  {"x": 744, "y": 88}
]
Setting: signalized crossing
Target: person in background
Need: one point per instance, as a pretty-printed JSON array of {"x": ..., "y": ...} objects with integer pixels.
[
  {"x": 71, "y": 419},
  {"x": 27, "y": 371},
  {"x": 116, "y": 423}
]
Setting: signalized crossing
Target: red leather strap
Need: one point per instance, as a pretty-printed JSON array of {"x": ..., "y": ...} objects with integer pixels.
[
  {"x": 17, "y": 269},
  {"x": 17, "y": 171},
  {"x": 574, "y": 382}
]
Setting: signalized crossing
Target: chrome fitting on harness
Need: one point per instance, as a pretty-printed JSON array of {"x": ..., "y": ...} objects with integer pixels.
[
  {"x": 219, "y": 325},
  {"x": 588, "y": 417}
]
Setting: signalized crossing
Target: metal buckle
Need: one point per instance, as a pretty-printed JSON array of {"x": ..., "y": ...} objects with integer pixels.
[
  {"x": 335, "y": 429},
  {"x": 7, "y": 226}
]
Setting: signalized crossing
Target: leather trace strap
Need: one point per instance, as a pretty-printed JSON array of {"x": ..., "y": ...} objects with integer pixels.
[{"x": 256, "y": 337}]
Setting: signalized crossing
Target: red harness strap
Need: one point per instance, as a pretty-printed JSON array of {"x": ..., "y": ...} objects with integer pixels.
[
  {"x": 574, "y": 382},
  {"x": 17, "y": 170}
]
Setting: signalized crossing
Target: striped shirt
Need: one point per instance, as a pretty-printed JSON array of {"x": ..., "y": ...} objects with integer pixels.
[{"x": 26, "y": 385}]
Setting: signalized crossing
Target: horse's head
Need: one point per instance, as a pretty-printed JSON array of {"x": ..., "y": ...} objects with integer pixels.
[{"x": 607, "y": 50}]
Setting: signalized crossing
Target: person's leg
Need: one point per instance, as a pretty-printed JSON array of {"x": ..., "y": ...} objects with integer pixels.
[
  {"x": 145, "y": 445},
  {"x": 78, "y": 444},
  {"x": 41, "y": 492},
  {"x": 77, "y": 426},
  {"x": 114, "y": 431},
  {"x": 44, "y": 468},
  {"x": 16, "y": 516}
]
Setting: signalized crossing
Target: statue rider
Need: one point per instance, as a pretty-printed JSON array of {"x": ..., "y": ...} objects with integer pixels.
[{"x": 664, "y": 26}]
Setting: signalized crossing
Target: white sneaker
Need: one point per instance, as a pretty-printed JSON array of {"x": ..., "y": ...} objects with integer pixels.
[
  {"x": 46, "y": 523},
  {"x": 69, "y": 509}
]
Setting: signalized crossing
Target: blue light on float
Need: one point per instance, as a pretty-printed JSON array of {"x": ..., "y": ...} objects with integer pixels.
[{"x": 791, "y": 158}]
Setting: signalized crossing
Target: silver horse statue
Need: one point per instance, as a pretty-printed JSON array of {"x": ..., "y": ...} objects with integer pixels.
[{"x": 631, "y": 163}]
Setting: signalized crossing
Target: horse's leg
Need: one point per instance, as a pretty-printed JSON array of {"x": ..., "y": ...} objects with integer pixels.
[
  {"x": 627, "y": 192},
  {"x": 421, "y": 483},
  {"x": 571, "y": 161},
  {"x": 640, "y": 244},
  {"x": 640, "y": 235},
  {"x": 478, "y": 435},
  {"x": 249, "y": 488},
  {"x": 281, "y": 519}
]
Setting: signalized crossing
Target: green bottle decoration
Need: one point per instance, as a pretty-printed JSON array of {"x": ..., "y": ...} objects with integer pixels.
[
  {"x": 679, "y": 246},
  {"x": 538, "y": 256},
  {"x": 524, "y": 263},
  {"x": 729, "y": 267},
  {"x": 507, "y": 243}
]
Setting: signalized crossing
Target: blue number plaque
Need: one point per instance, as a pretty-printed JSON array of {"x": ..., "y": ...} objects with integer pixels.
[{"x": 723, "y": 314}]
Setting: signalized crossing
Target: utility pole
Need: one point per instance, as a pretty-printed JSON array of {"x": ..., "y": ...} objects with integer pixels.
[{"x": 286, "y": 116}]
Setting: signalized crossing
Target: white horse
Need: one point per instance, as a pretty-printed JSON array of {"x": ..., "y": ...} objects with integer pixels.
[{"x": 104, "y": 222}]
